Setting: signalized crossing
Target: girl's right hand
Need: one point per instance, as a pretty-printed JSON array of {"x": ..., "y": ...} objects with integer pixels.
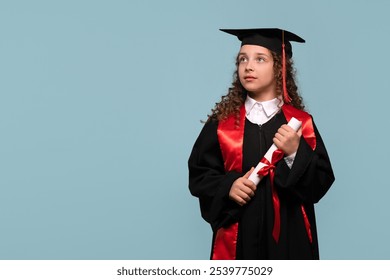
[{"x": 242, "y": 189}]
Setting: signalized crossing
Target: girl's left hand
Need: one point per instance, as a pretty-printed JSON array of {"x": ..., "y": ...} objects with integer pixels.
[{"x": 287, "y": 140}]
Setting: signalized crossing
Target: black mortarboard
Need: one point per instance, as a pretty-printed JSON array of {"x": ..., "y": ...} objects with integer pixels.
[{"x": 270, "y": 38}]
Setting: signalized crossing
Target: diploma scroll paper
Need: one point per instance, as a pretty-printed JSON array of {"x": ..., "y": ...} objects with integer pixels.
[{"x": 256, "y": 178}]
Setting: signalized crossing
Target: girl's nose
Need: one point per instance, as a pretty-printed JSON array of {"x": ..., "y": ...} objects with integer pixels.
[{"x": 249, "y": 66}]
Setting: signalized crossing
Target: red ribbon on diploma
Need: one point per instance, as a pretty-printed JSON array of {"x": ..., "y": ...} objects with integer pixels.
[{"x": 269, "y": 168}]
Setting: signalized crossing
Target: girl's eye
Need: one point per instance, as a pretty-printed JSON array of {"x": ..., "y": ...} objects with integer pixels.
[
  {"x": 242, "y": 59},
  {"x": 260, "y": 59}
]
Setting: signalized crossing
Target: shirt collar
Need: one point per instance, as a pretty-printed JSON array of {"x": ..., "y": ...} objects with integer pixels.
[{"x": 270, "y": 107}]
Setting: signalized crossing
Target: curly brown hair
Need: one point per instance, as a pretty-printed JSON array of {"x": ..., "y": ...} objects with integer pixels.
[{"x": 235, "y": 98}]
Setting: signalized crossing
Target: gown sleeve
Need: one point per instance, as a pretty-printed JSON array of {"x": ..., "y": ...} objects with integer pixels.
[
  {"x": 311, "y": 174},
  {"x": 208, "y": 180}
]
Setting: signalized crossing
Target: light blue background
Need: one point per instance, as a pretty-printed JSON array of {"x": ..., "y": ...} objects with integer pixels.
[{"x": 101, "y": 102}]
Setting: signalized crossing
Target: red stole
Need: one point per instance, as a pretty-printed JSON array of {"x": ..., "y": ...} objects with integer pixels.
[{"x": 231, "y": 137}]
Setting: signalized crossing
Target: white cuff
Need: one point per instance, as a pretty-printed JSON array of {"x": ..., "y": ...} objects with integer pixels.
[{"x": 290, "y": 160}]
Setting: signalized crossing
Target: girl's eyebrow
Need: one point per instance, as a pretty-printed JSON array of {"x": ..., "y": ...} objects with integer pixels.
[{"x": 243, "y": 53}]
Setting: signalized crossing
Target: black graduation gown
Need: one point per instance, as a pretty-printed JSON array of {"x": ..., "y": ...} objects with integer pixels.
[{"x": 304, "y": 184}]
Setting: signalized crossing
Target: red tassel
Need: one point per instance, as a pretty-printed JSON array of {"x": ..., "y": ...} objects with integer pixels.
[{"x": 286, "y": 97}]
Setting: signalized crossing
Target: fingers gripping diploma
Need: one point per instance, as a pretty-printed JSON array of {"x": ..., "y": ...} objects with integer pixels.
[
  {"x": 242, "y": 189},
  {"x": 287, "y": 140}
]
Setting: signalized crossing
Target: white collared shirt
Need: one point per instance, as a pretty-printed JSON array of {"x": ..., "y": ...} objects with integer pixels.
[{"x": 261, "y": 112}]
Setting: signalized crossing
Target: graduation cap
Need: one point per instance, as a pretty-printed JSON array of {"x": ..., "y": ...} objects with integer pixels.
[
  {"x": 270, "y": 38},
  {"x": 274, "y": 39}
]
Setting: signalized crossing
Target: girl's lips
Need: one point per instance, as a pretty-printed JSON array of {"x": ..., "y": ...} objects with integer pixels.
[{"x": 249, "y": 78}]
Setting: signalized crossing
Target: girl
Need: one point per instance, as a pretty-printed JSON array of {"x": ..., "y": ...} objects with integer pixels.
[{"x": 275, "y": 219}]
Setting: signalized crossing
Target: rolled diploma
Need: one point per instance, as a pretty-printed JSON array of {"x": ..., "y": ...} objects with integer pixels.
[{"x": 256, "y": 178}]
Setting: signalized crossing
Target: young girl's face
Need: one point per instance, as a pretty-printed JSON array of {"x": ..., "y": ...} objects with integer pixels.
[{"x": 256, "y": 73}]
